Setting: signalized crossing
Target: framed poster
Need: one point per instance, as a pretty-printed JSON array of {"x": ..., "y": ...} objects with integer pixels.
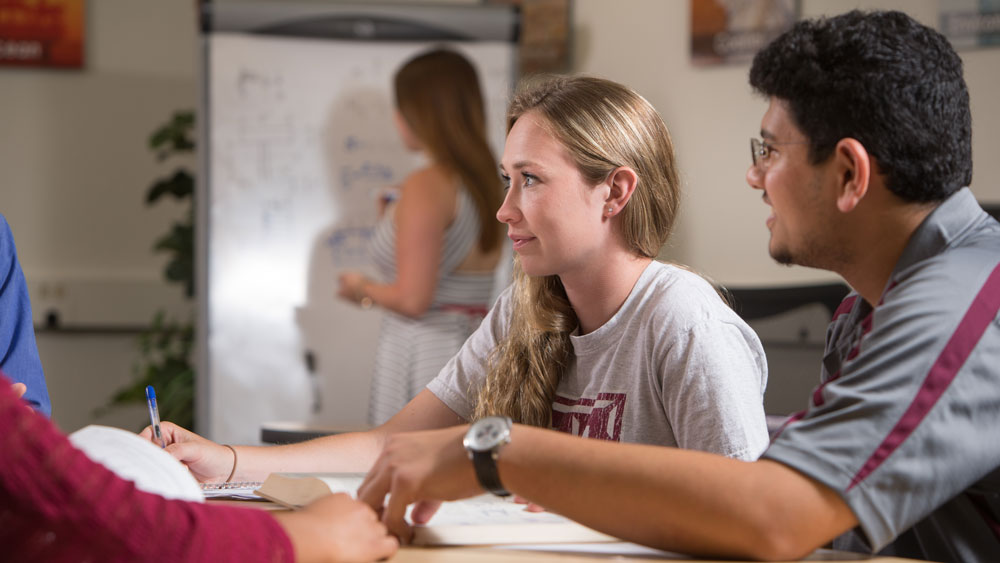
[
  {"x": 42, "y": 33},
  {"x": 728, "y": 31}
]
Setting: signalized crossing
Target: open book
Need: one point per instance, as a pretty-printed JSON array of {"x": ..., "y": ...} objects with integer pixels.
[
  {"x": 132, "y": 458},
  {"x": 482, "y": 520}
]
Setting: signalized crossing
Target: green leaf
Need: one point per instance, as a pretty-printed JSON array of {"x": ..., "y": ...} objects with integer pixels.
[
  {"x": 174, "y": 136},
  {"x": 180, "y": 185}
]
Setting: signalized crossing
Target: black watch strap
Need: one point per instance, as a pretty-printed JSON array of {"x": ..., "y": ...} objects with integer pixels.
[{"x": 486, "y": 471}]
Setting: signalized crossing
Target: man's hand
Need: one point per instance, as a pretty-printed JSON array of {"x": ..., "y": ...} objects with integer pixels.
[
  {"x": 528, "y": 505},
  {"x": 422, "y": 468}
]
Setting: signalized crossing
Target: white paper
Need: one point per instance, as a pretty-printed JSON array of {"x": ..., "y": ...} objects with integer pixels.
[
  {"x": 619, "y": 549},
  {"x": 491, "y": 510},
  {"x": 132, "y": 458}
]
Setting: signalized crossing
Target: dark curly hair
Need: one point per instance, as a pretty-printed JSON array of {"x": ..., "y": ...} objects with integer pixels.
[{"x": 881, "y": 78}]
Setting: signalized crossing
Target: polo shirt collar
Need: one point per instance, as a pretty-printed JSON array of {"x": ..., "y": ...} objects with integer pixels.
[{"x": 947, "y": 223}]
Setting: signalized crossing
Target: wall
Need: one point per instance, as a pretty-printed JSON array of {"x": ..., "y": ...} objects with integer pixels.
[{"x": 76, "y": 168}]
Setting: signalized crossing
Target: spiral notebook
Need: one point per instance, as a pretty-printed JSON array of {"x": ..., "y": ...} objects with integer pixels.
[{"x": 237, "y": 490}]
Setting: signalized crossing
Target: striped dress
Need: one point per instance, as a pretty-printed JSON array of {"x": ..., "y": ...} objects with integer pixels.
[{"x": 410, "y": 351}]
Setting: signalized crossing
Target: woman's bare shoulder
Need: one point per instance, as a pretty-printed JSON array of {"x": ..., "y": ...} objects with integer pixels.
[
  {"x": 433, "y": 177},
  {"x": 430, "y": 186}
]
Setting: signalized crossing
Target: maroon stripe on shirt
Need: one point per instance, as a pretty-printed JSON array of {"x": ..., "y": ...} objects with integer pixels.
[
  {"x": 845, "y": 306},
  {"x": 977, "y": 318},
  {"x": 866, "y": 327},
  {"x": 794, "y": 418},
  {"x": 818, "y": 399}
]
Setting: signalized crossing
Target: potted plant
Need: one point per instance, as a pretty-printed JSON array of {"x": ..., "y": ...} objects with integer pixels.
[{"x": 166, "y": 347}]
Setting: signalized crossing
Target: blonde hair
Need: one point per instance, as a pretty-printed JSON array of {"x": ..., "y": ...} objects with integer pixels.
[
  {"x": 603, "y": 126},
  {"x": 438, "y": 94}
]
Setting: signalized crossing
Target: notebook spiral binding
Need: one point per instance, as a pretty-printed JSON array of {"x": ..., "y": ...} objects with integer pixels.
[{"x": 232, "y": 485}]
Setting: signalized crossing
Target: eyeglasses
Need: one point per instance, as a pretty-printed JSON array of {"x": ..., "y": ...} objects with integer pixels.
[{"x": 760, "y": 151}]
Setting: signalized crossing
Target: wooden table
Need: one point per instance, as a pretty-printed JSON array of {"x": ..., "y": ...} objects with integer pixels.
[{"x": 494, "y": 555}]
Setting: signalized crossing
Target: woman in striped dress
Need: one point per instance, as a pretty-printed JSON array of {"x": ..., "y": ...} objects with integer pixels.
[{"x": 437, "y": 245}]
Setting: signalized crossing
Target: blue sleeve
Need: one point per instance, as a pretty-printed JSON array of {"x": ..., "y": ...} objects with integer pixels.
[{"x": 18, "y": 352}]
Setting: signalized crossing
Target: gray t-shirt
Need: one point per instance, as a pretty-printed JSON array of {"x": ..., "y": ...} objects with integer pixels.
[{"x": 675, "y": 366}]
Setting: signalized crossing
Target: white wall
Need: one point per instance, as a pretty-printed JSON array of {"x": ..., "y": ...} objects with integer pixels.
[
  {"x": 712, "y": 113},
  {"x": 74, "y": 153}
]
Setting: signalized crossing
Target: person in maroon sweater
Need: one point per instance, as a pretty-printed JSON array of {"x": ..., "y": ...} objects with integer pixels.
[{"x": 58, "y": 505}]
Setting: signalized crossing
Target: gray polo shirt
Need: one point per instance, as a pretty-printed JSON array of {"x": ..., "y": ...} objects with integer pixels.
[{"x": 906, "y": 422}]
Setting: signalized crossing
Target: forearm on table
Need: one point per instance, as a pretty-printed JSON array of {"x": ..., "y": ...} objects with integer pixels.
[
  {"x": 352, "y": 452},
  {"x": 678, "y": 500}
]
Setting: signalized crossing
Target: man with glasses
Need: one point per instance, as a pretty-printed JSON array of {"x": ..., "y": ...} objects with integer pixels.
[{"x": 865, "y": 159}]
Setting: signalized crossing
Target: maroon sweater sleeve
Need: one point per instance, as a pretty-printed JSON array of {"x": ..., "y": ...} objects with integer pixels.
[{"x": 58, "y": 505}]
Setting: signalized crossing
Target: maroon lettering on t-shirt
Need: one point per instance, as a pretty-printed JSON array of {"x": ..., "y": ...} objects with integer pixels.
[{"x": 591, "y": 418}]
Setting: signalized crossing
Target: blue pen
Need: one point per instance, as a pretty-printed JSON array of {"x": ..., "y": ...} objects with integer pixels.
[{"x": 154, "y": 415}]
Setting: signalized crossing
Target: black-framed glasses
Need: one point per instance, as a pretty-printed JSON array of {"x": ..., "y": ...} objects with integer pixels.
[{"x": 760, "y": 150}]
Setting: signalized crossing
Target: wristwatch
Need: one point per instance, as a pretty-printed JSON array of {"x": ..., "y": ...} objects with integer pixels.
[{"x": 483, "y": 442}]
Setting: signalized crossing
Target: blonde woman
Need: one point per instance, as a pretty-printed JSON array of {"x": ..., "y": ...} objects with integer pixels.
[
  {"x": 436, "y": 246},
  {"x": 595, "y": 337}
]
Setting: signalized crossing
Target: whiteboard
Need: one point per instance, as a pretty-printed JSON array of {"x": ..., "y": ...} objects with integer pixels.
[{"x": 300, "y": 141}]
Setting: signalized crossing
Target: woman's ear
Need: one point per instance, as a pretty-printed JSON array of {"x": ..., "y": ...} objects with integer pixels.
[
  {"x": 853, "y": 168},
  {"x": 622, "y": 183}
]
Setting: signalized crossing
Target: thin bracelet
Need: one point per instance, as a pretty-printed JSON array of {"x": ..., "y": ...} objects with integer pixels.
[
  {"x": 233, "y": 472},
  {"x": 362, "y": 297}
]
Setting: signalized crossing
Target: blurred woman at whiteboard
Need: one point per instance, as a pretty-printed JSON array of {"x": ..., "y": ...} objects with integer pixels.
[{"x": 437, "y": 242}]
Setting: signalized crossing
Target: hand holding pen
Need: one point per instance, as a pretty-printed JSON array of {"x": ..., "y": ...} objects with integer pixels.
[{"x": 209, "y": 462}]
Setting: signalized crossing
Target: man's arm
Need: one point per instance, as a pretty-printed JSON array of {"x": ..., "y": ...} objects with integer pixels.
[{"x": 678, "y": 500}]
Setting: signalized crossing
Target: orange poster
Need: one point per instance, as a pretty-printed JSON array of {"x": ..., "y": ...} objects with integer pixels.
[
  {"x": 726, "y": 31},
  {"x": 42, "y": 33}
]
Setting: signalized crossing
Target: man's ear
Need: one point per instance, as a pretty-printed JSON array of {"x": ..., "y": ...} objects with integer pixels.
[
  {"x": 853, "y": 167},
  {"x": 622, "y": 182}
]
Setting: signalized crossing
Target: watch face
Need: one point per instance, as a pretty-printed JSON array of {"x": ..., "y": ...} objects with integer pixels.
[{"x": 487, "y": 433}]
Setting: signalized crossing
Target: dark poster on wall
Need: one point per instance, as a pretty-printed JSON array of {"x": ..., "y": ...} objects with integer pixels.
[
  {"x": 42, "y": 33},
  {"x": 728, "y": 31}
]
